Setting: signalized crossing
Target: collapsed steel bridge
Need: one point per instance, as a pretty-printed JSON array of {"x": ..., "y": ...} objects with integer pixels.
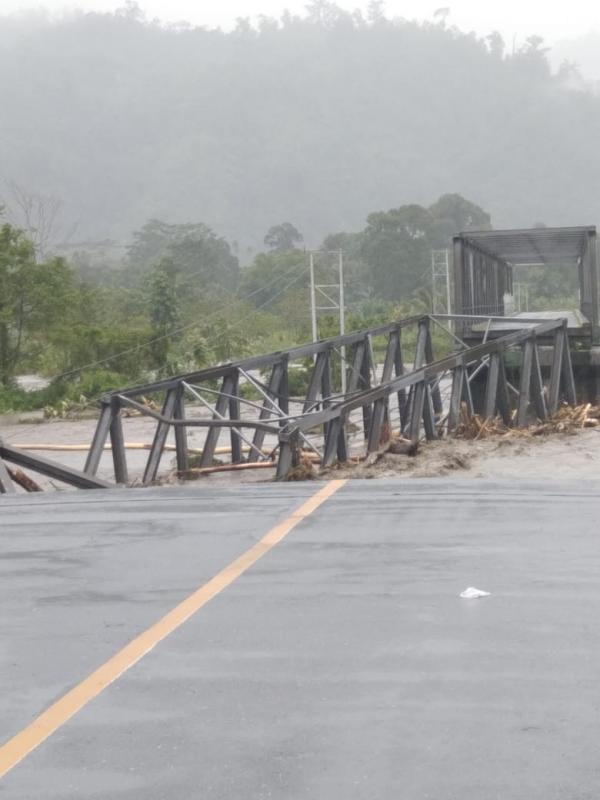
[{"x": 396, "y": 384}]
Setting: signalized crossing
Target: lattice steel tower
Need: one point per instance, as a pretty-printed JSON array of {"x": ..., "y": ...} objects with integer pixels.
[{"x": 440, "y": 282}]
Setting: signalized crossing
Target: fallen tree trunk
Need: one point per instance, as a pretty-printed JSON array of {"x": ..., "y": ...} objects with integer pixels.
[{"x": 23, "y": 480}]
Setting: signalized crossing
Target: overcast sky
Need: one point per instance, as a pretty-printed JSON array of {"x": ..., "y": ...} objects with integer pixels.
[{"x": 518, "y": 18}]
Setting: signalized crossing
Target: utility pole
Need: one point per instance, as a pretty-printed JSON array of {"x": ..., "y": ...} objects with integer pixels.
[
  {"x": 333, "y": 304},
  {"x": 313, "y": 301},
  {"x": 440, "y": 282},
  {"x": 342, "y": 318}
]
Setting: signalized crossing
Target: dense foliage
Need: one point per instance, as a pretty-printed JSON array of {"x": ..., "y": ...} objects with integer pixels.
[{"x": 177, "y": 299}]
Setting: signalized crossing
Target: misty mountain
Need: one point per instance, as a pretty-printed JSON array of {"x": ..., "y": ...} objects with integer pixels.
[
  {"x": 584, "y": 53},
  {"x": 317, "y": 120}
]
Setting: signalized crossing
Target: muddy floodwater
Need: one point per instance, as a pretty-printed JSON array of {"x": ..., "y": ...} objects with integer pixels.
[
  {"x": 554, "y": 456},
  {"x": 557, "y": 455}
]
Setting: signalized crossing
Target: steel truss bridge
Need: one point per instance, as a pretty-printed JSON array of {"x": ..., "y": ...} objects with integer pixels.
[{"x": 415, "y": 377}]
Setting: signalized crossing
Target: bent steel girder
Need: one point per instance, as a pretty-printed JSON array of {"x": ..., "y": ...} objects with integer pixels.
[{"x": 379, "y": 397}]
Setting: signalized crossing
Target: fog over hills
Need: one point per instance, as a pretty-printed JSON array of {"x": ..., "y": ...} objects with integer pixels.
[
  {"x": 584, "y": 53},
  {"x": 317, "y": 120}
]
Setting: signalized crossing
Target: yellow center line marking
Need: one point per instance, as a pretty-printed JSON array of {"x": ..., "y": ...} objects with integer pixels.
[{"x": 54, "y": 717}]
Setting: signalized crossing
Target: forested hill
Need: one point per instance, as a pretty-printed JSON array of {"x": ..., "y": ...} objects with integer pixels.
[{"x": 318, "y": 120}]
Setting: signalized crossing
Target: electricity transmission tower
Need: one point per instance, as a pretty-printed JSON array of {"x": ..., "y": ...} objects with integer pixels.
[
  {"x": 440, "y": 282},
  {"x": 521, "y": 295},
  {"x": 332, "y": 295}
]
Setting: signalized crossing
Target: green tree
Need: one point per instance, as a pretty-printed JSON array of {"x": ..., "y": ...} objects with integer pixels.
[
  {"x": 266, "y": 279},
  {"x": 282, "y": 238},
  {"x": 201, "y": 259},
  {"x": 164, "y": 312},
  {"x": 396, "y": 250},
  {"x": 451, "y": 214},
  {"x": 34, "y": 297},
  {"x": 396, "y": 244}
]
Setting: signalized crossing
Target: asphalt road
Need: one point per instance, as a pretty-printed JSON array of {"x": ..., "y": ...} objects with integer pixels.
[{"x": 342, "y": 664}]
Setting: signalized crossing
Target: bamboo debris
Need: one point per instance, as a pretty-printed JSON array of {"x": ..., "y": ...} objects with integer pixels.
[
  {"x": 568, "y": 419},
  {"x": 305, "y": 470},
  {"x": 144, "y": 401}
]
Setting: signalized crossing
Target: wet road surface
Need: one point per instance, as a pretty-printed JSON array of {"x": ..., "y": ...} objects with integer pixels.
[{"x": 341, "y": 664}]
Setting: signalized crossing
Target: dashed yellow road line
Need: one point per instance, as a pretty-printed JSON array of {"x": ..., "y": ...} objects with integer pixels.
[{"x": 54, "y": 717}]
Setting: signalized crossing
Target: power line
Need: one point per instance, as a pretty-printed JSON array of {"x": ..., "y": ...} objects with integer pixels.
[
  {"x": 177, "y": 331},
  {"x": 267, "y": 302}
]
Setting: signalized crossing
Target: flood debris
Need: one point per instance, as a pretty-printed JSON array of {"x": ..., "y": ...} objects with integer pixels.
[
  {"x": 568, "y": 419},
  {"x": 487, "y": 448},
  {"x": 402, "y": 447},
  {"x": 304, "y": 471},
  {"x": 23, "y": 480}
]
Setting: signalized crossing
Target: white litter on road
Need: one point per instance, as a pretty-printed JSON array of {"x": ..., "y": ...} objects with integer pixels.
[{"x": 473, "y": 594}]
